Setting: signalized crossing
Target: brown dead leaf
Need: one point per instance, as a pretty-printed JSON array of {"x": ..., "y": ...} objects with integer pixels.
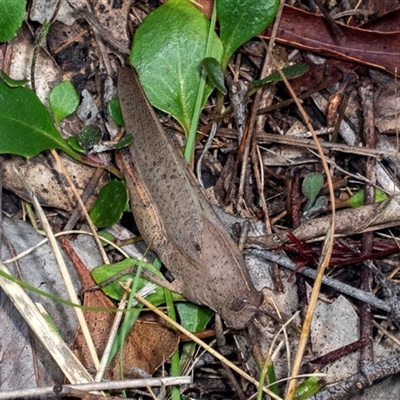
[
  {"x": 377, "y": 48},
  {"x": 47, "y": 180},
  {"x": 147, "y": 346}
]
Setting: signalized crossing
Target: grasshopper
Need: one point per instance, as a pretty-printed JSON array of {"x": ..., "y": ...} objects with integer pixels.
[{"x": 174, "y": 215}]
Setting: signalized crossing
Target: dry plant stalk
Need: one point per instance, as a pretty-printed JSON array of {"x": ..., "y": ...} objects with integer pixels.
[{"x": 327, "y": 248}]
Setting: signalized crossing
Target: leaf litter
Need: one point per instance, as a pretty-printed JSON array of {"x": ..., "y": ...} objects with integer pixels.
[{"x": 332, "y": 314}]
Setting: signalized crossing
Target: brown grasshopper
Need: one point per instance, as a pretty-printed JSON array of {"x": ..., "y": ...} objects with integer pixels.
[{"x": 174, "y": 215}]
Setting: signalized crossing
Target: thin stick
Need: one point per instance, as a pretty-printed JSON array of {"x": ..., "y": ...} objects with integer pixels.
[
  {"x": 85, "y": 213},
  {"x": 113, "y": 334},
  {"x": 327, "y": 249}
]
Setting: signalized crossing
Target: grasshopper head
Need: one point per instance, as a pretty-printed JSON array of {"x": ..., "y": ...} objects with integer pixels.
[{"x": 240, "y": 307}]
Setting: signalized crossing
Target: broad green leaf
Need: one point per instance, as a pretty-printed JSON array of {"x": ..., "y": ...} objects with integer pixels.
[
  {"x": 12, "y": 82},
  {"x": 195, "y": 319},
  {"x": 292, "y": 71},
  {"x": 358, "y": 198},
  {"x": 167, "y": 52},
  {"x": 114, "y": 109},
  {"x": 215, "y": 73},
  {"x": 26, "y": 127},
  {"x": 114, "y": 290},
  {"x": 240, "y": 20},
  {"x": 110, "y": 204},
  {"x": 312, "y": 184},
  {"x": 12, "y": 14},
  {"x": 63, "y": 100}
]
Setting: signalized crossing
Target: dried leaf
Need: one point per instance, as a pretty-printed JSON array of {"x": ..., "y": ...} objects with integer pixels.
[
  {"x": 148, "y": 344},
  {"x": 310, "y": 32}
]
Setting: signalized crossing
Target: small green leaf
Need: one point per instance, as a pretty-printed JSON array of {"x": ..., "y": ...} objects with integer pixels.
[
  {"x": 240, "y": 20},
  {"x": 106, "y": 235},
  {"x": 12, "y": 14},
  {"x": 215, "y": 73},
  {"x": 110, "y": 204},
  {"x": 358, "y": 198},
  {"x": 312, "y": 184},
  {"x": 63, "y": 100},
  {"x": 89, "y": 137},
  {"x": 26, "y": 127},
  {"x": 195, "y": 319},
  {"x": 124, "y": 142},
  {"x": 308, "y": 388},
  {"x": 272, "y": 379},
  {"x": 319, "y": 205},
  {"x": 12, "y": 82},
  {"x": 292, "y": 71},
  {"x": 74, "y": 143},
  {"x": 167, "y": 52},
  {"x": 114, "y": 108}
]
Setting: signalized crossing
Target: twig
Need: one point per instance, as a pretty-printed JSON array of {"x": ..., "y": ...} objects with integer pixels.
[
  {"x": 85, "y": 213},
  {"x": 367, "y": 105},
  {"x": 308, "y": 143},
  {"x": 366, "y": 297},
  {"x": 359, "y": 381},
  {"x": 112, "y": 335},
  {"x": 327, "y": 248},
  {"x": 88, "y": 387}
]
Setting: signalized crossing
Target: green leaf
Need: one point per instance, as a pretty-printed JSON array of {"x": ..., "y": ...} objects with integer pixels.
[
  {"x": 167, "y": 52},
  {"x": 358, "y": 198},
  {"x": 106, "y": 235},
  {"x": 114, "y": 108},
  {"x": 124, "y": 142},
  {"x": 114, "y": 290},
  {"x": 74, "y": 143},
  {"x": 308, "y": 388},
  {"x": 195, "y": 319},
  {"x": 240, "y": 20},
  {"x": 272, "y": 379},
  {"x": 320, "y": 204},
  {"x": 12, "y": 14},
  {"x": 63, "y": 100},
  {"x": 215, "y": 73},
  {"x": 292, "y": 71},
  {"x": 26, "y": 127},
  {"x": 12, "y": 82},
  {"x": 110, "y": 204},
  {"x": 89, "y": 137},
  {"x": 312, "y": 184}
]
